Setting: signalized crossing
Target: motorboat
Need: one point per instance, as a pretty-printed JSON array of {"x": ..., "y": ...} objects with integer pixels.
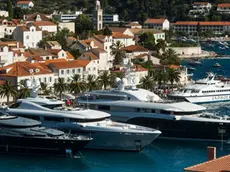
[
  {"x": 207, "y": 90},
  {"x": 216, "y": 65},
  {"x": 176, "y": 120},
  {"x": 191, "y": 69},
  {"x": 194, "y": 63},
  {"x": 106, "y": 134},
  {"x": 20, "y": 135}
]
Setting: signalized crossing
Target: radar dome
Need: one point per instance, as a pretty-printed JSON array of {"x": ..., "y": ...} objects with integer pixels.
[{"x": 117, "y": 80}]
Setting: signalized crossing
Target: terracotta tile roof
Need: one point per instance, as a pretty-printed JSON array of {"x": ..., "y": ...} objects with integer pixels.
[
  {"x": 36, "y": 58},
  {"x": 139, "y": 68},
  {"x": 135, "y": 48},
  {"x": 82, "y": 42},
  {"x": 118, "y": 35},
  {"x": 141, "y": 55},
  {"x": 39, "y": 51},
  {"x": 53, "y": 43},
  {"x": 69, "y": 64},
  {"x": 44, "y": 23},
  {"x": 90, "y": 55},
  {"x": 32, "y": 17},
  {"x": 69, "y": 55},
  {"x": 138, "y": 31},
  {"x": 155, "y": 21},
  {"x": 173, "y": 66},
  {"x": 118, "y": 29},
  {"x": 27, "y": 26},
  {"x": 203, "y": 23},
  {"x": 54, "y": 60},
  {"x": 97, "y": 51},
  {"x": 54, "y": 51},
  {"x": 12, "y": 44},
  {"x": 23, "y": 2},
  {"x": 223, "y": 5},
  {"x": 24, "y": 69},
  {"x": 200, "y": 3},
  {"x": 216, "y": 165},
  {"x": 100, "y": 36}
]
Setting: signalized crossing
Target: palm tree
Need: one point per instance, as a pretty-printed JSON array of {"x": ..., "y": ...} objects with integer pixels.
[
  {"x": 117, "y": 52},
  {"x": 161, "y": 77},
  {"x": 92, "y": 83},
  {"x": 173, "y": 76},
  {"x": 23, "y": 91},
  {"x": 147, "y": 82},
  {"x": 44, "y": 89},
  {"x": 76, "y": 85},
  {"x": 104, "y": 78},
  {"x": 169, "y": 57},
  {"x": 7, "y": 90},
  {"x": 60, "y": 87}
]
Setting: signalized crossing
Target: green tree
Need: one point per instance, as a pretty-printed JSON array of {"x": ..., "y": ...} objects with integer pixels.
[
  {"x": 7, "y": 90},
  {"x": 60, "y": 87},
  {"x": 10, "y": 9},
  {"x": 161, "y": 76},
  {"x": 169, "y": 57},
  {"x": 83, "y": 26},
  {"x": 23, "y": 91},
  {"x": 161, "y": 45},
  {"x": 77, "y": 85},
  {"x": 173, "y": 76},
  {"x": 117, "y": 52},
  {"x": 147, "y": 40},
  {"x": 147, "y": 82},
  {"x": 104, "y": 79},
  {"x": 45, "y": 90},
  {"x": 107, "y": 31},
  {"x": 92, "y": 83}
]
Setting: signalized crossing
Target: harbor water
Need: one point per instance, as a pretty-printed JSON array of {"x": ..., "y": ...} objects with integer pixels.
[{"x": 161, "y": 156}]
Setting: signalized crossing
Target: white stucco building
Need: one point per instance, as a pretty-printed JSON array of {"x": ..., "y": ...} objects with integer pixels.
[
  {"x": 160, "y": 24},
  {"x": 28, "y": 34}
]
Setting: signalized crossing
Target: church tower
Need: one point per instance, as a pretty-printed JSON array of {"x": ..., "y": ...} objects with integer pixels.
[{"x": 98, "y": 17}]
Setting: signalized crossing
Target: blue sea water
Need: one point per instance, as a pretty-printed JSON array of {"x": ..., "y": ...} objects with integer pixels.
[{"x": 161, "y": 156}]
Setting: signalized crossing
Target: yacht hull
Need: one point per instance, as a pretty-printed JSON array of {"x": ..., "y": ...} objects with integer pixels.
[
  {"x": 203, "y": 99},
  {"x": 123, "y": 141},
  {"x": 40, "y": 146},
  {"x": 186, "y": 130}
]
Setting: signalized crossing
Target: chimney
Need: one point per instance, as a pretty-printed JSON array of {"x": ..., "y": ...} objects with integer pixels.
[{"x": 211, "y": 153}]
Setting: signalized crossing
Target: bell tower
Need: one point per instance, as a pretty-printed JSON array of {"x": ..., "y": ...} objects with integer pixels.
[{"x": 98, "y": 17}]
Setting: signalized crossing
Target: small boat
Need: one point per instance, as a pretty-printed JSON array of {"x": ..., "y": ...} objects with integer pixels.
[
  {"x": 216, "y": 65},
  {"x": 190, "y": 74},
  {"x": 191, "y": 69},
  {"x": 194, "y": 63}
]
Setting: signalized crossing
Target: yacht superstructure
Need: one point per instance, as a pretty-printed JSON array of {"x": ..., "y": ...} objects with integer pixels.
[
  {"x": 176, "y": 120},
  {"x": 206, "y": 90}
]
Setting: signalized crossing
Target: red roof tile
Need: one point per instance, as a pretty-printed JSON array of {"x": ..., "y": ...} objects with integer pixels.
[
  {"x": 23, "y": 2},
  {"x": 216, "y": 165},
  {"x": 223, "y": 5},
  {"x": 155, "y": 21},
  {"x": 23, "y": 69},
  {"x": 135, "y": 48},
  {"x": 69, "y": 64},
  {"x": 120, "y": 35},
  {"x": 32, "y": 17},
  {"x": 44, "y": 23}
]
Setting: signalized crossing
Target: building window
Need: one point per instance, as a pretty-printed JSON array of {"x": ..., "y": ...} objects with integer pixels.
[
  {"x": 99, "y": 17},
  {"x": 67, "y": 71},
  {"x": 94, "y": 69},
  {"x": 27, "y": 37},
  {"x": 45, "y": 80},
  {"x": 62, "y": 72},
  {"x": 50, "y": 79},
  {"x": 79, "y": 70},
  {"x": 47, "y": 58},
  {"x": 63, "y": 54},
  {"x": 73, "y": 71},
  {"x": 88, "y": 69}
]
